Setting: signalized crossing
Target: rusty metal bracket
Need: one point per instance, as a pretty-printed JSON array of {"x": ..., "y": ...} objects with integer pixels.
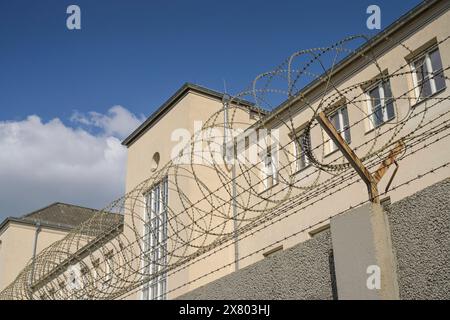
[
  {"x": 351, "y": 156},
  {"x": 371, "y": 180},
  {"x": 392, "y": 177},
  {"x": 390, "y": 159}
]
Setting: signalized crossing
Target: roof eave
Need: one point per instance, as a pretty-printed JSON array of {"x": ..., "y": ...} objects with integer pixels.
[
  {"x": 171, "y": 101},
  {"x": 33, "y": 223}
]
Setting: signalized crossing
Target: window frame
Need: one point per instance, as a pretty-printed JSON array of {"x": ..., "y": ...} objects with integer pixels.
[
  {"x": 332, "y": 147},
  {"x": 273, "y": 169},
  {"x": 108, "y": 267},
  {"x": 300, "y": 156},
  {"x": 155, "y": 243},
  {"x": 430, "y": 74},
  {"x": 370, "y": 108}
]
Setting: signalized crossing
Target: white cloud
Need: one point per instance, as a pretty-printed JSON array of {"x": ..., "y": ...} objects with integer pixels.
[
  {"x": 44, "y": 162},
  {"x": 118, "y": 121}
]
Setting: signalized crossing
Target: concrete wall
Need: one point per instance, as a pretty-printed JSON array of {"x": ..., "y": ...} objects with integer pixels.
[
  {"x": 420, "y": 235},
  {"x": 361, "y": 244},
  {"x": 420, "y": 227},
  {"x": 304, "y": 271}
]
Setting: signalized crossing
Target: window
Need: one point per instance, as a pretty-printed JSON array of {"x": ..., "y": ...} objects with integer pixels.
[
  {"x": 62, "y": 285},
  {"x": 95, "y": 267},
  {"x": 51, "y": 293},
  {"x": 155, "y": 242},
  {"x": 339, "y": 119},
  {"x": 108, "y": 267},
  {"x": 301, "y": 159},
  {"x": 428, "y": 75},
  {"x": 270, "y": 171},
  {"x": 253, "y": 115},
  {"x": 380, "y": 104}
]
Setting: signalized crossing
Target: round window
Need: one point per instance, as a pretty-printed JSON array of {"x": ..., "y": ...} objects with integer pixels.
[{"x": 155, "y": 161}]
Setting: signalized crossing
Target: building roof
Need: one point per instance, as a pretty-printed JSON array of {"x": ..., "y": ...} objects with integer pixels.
[
  {"x": 58, "y": 215},
  {"x": 61, "y": 214},
  {"x": 177, "y": 96}
]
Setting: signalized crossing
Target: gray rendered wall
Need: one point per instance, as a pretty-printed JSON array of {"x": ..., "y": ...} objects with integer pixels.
[
  {"x": 304, "y": 271},
  {"x": 420, "y": 233}
]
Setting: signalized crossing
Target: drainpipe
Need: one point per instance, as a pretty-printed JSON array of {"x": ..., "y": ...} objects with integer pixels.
[
  {"x": 225, "y": 102},
  {"x": 36, "y": 234},
  {"x": 235, "y": 224}
]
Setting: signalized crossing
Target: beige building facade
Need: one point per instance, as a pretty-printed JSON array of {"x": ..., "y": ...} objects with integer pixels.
[
  {"x": 25, "y": 237},
  {"x": 381, "y": 90}
]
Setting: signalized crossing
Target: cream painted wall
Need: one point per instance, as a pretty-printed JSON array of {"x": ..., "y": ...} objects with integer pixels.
[
  {"x": 17, "y": 248},
  {"x": 193, "y": 107},
  {"x": 316, "y": 214}
]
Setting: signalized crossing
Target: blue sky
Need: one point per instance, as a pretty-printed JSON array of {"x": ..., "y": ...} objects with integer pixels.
[
  {"x": 137, "y": 53},
  {"x": 134, "y": 54}
]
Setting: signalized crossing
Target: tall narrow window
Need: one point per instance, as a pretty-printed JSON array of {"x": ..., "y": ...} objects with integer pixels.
[
  {"x": 339, "y": 119},
  {"x": 270, "y": 172},
  {"x": 301, "y": 159},
  {"x": 155, "y": 242},
  {"x": 428, "y": 75},
  {"x": 380, "y": 104}
]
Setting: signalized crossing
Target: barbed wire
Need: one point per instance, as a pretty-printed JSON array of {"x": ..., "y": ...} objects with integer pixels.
[{"x": 189, "y": 211}]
